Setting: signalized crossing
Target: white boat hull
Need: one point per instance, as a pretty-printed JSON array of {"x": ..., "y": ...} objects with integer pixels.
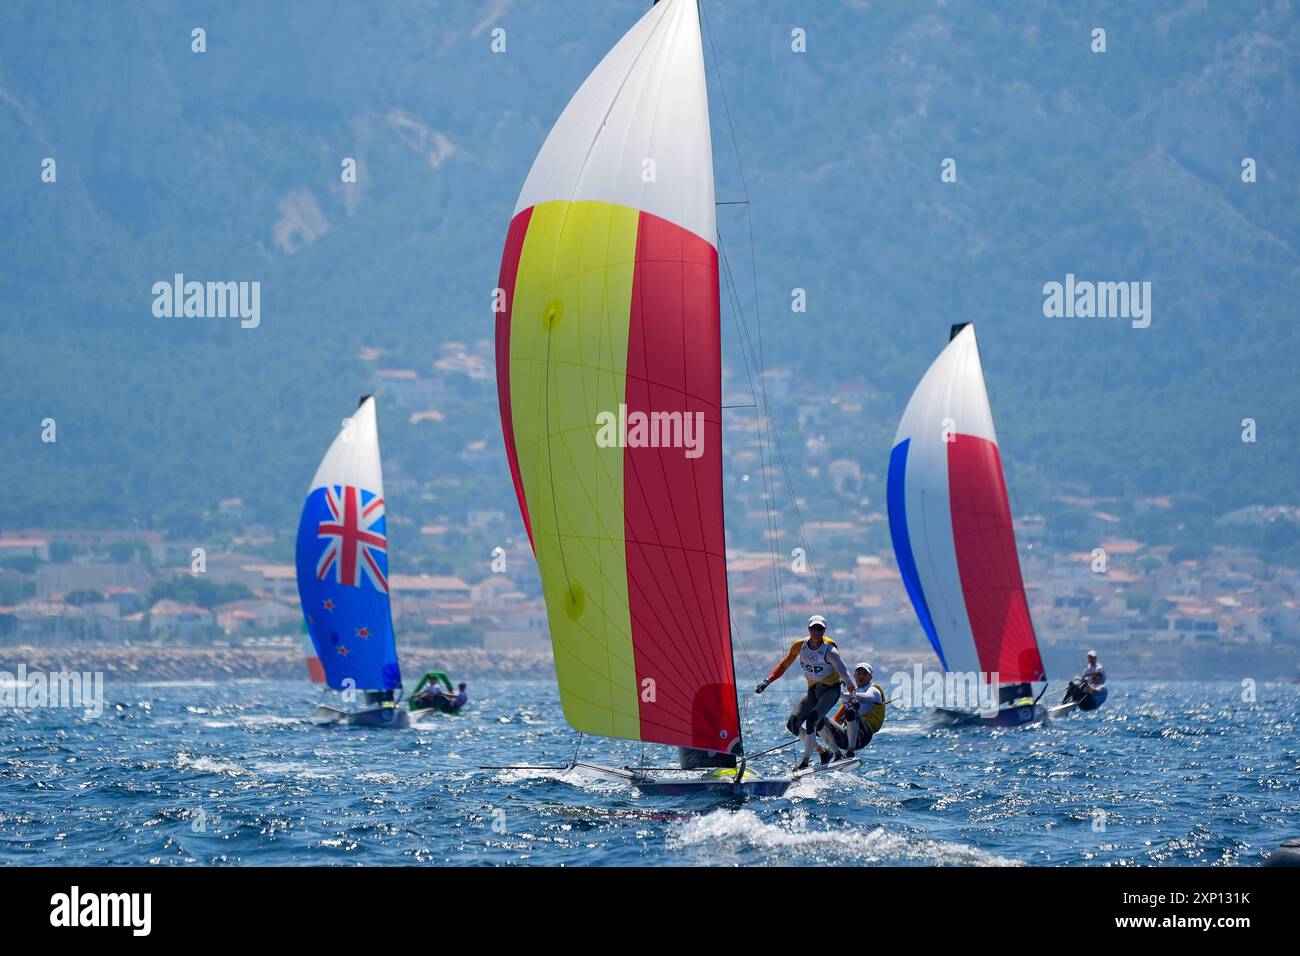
[{"x": 669, "y": 783}]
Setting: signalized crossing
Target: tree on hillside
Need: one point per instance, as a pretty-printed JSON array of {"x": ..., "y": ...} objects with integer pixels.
[{"x": 189, "y": 589}]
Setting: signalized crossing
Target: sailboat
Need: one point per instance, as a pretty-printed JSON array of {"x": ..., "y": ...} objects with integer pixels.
[
  {"x": 342, "y": 565},
  {"x": 609, "y": 375},
  {"x": 951, "y": 526}
]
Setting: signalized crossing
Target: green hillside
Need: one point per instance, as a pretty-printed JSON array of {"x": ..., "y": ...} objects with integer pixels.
[{"x": 225, "y": 166}]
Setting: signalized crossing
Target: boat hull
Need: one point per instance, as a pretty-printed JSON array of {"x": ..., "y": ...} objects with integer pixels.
[
  {"x": 419, "y": 710},
  {"x": 1287, "y": 854},
  {"x": 1090, "y": 699},
  {"x": 376, "y": 717},
  {"x": 720, "y": 782},
  {"x": 1094, "y": 700},
  {"x": 1020, "y": 716},
  {"x": 723, "y": 783},
  {"x": 762, "y": 787}
]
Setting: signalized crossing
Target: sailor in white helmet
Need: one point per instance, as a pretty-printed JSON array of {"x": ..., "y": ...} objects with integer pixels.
[
  {"x": 860, "y": 715},
  {"x": 1089, "y": 684},
  {"x": 822, "y": 665},
  {"x": 1094, "y": 675}
]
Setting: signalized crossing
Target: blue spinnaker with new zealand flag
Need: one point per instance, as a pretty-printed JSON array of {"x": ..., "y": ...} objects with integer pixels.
[{"x": 342, "y": 561}]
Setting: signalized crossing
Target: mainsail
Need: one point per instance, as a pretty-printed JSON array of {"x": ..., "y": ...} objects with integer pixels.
[
  {"x": 951, "y": 523},
  {"x": 342, "y": 561},
  {"x": 609, "y": 311}
]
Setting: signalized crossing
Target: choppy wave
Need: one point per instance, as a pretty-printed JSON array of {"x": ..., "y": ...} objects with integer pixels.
[
  {"x": 795, "y": 840},
  {"x": 191, "y": 773},
  {"x": 205, "y": 764}
]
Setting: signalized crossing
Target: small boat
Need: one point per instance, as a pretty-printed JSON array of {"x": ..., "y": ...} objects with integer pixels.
[
  {"x": 1286, "y": 854},
  {"x": 421, "y": 705},
  {"x": 609, "y": 378},
  {"x": 1017, "y": 707},
  {"x": 380, "y": 711},
  {"x": 950, "y": 523},
  {"x": 342, "y": 566},
  {"x": 1079, "y": 696}
]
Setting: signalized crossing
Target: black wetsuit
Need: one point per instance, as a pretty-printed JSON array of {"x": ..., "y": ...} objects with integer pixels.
[{"x": 818, "y": 701}]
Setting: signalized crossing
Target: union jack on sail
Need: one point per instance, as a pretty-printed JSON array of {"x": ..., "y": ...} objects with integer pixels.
[
  {"x": 357, "y": 547},
  {"x": 341, "y": 559}
]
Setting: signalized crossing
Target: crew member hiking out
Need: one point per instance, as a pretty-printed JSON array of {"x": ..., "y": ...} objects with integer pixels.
[
  {"x": 825, "y": 670},
  {"x": 859, "y": 717}
]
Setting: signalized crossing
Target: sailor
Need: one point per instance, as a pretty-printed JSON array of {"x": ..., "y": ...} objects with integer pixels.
[
  {"x": 1094, "y": 675},
  {"x": 1090, "y": 681},
  {"x": 825, "y": 669},
  {"x": 450, "y": 702},
  {"x": 444, "y": 700},
  {"x": 859, "y": 717}
]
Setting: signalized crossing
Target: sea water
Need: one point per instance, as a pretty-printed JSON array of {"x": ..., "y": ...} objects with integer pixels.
[{"x": 234, "y": 772}]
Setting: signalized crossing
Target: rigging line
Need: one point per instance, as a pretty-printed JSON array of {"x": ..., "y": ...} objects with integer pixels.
[
  {"x": 737, "y": 315},
  {"x": 785, "y": 468},
  {"x": 740, "y": 166},
  {"x": 760, "y": 420},
  {"x": 788, "y": 691},
  {"x": 722, "y": 88},
  {"x": 776, "y": 435},
  {"x": 798, "y": 517},
  {"x": 741, "y": 333},
  {"x": 744, "y": 182},
  {"x": 771, "y": 424},
  {"x": 771, "y": 750},
  {"x": 735, "y": 629}
]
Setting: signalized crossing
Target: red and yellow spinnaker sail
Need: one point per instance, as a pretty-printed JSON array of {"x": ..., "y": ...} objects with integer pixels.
[{"x": 609, "y": 298}]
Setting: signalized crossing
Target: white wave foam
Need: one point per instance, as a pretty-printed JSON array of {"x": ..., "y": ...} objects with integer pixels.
[
  {"x": 795, "y": 838},
  {"x": 206, "y": 764},
  {"x": 582, "y": 779},
  {"x": 255, "y": 720},
  {"x": 301, "y": 769},
  {"x": 375, "y": 776},
  {"x": 913, "y": 727}
]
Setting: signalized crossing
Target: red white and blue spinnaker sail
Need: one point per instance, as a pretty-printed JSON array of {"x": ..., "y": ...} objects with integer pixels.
[
  {"x": 951, "y": 526},
  {"x": 342, "y": 562}
]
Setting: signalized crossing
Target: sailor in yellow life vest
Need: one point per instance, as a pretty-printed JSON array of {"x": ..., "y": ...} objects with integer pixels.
[
  {"x": 859, "y": 717},
  {"x": 822, "y": 665}
]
